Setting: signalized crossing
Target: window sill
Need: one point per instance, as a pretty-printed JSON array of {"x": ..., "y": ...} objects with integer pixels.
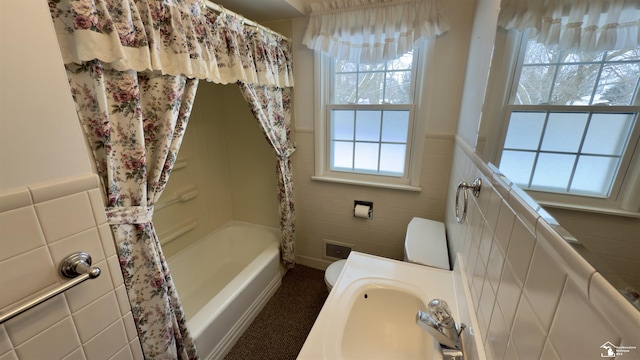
[
  {"x": 593, "y": 209},
  {"x": 368, "y": 183}
]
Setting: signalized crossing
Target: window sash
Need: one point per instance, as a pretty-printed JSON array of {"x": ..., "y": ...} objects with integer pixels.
[
  {"x": 624, "y": 159},
  {"x": 330, "y": 106},
  {"x": 404, "y": 176}
]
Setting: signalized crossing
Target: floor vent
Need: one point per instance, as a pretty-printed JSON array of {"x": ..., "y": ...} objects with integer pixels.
[{"x": 336, "y": 250}]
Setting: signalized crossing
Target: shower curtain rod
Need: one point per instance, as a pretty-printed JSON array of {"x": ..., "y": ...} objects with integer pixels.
[{"x": 218, "y": 8}]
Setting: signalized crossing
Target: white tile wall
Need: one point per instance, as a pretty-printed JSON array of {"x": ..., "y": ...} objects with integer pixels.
[
  {"x": 325, "y": 210},
  {"x": 538, "y": 299},
  {"x": 39, "y": 226}
]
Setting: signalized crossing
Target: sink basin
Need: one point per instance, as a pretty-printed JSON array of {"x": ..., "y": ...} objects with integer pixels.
[
  {"x": 381, "y": 324},
  {"x": 371, "y": 311}
]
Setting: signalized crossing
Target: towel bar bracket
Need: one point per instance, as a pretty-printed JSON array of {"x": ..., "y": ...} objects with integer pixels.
[
  {"x": 78, "y": 264},
  {"x": 76, "y": 267}
]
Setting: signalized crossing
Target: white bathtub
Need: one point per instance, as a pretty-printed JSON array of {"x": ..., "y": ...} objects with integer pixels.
[{"x": 224, "y": 280}]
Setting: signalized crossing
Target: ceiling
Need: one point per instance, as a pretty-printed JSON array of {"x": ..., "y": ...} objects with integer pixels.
[{"x": 266, "y": 10}]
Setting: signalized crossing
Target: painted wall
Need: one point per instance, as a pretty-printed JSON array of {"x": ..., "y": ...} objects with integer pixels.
[
  {"x": 325, "y": 210},
  {"x": 611, "y": 243},
  {"x": 36, "y": 109},
  {"x": 51, "y": 206}
]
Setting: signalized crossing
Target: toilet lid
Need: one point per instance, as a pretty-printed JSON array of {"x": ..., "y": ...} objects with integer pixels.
[{"x": 334, "y": 270}]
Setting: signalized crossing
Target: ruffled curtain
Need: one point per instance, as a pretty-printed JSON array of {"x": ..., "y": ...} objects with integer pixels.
[
  {"x": 175, "y": 37},
  {"x": 133, "y": 67},
  {"x": 271, "y": 106},
  {"x": 587, "y": 25},
  {"x": 372, "y": 31}
]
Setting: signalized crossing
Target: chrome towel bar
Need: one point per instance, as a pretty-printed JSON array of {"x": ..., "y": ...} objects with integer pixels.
[{"x": 76, "y": 266}]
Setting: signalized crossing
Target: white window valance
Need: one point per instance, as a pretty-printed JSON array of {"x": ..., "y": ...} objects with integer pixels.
[
  {"x": 372, "y": 31},
  {"x": 576, "y": 24}
]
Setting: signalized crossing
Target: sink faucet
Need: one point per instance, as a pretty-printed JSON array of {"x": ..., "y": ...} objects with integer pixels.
[{"x": 438, "y": 322}]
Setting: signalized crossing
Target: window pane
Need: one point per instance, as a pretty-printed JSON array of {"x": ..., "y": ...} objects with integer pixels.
[
  {"x": 398, "y": 87},
  {"x": 345, "y": 66},
  {"x": 608, "y": 133},
  {"x": 624, "y": 55},
  {"x": 403, "y": 63},
  {"x": 578, "y": 56},
  {"x": 342, "y": 124},
  {"x": 594, "y": 175},
  {"x": 617, "y": 84},
  {"x": 538, "y": 53},
  {"x": 517, "y": 166},
  {"x": 525, "y": 129},
  {"x": 341, "y": 155},
  {"x": 366, "y": 157},
  {"x": 553, "y": 172},
  {"x": 346, "y": 88},
  {"x": 535, "y": 85},
  {"x": 370, "y": 67},
  {"x": 564, "y": 132},
  {"x": 392, "y": 158},
  {"x": 370, "y": 87},
  {"x": 368, "y": 125},
  {"x": 395, "y": 125},
  {"x": 574, "y": 84}
]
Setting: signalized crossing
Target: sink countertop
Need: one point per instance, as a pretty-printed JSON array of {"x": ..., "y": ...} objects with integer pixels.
[{"x": 367, "y": 270}]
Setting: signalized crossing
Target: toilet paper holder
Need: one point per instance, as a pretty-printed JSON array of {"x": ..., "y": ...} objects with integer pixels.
[{"x": 368, "y": 204}]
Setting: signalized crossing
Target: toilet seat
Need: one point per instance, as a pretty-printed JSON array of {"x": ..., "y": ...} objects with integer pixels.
[{"x": 333, "y": 272}]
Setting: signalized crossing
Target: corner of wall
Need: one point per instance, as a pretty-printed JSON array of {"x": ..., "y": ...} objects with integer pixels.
[{"x": 533, "y": 295}]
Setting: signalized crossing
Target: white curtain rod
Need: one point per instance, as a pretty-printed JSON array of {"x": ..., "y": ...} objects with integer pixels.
[{"x": 218, "y": 8}]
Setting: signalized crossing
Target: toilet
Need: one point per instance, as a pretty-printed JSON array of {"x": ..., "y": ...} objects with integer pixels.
[
  {"x": 425, "y": 243},
  {"x": 332, "y": 273}
]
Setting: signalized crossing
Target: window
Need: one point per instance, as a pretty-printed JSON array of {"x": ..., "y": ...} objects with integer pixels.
[
  {"x": 368, "y": 114},
  {"x": 572, "y": 121}
]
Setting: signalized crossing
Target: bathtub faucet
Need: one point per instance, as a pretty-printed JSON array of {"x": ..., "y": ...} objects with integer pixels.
[{"x": 438, "y": 322}]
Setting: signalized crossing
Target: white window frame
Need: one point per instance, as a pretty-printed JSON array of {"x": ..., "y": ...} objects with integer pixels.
[
  {"x": 323, "y": 77},
  {"x": 624, "y": 198}
]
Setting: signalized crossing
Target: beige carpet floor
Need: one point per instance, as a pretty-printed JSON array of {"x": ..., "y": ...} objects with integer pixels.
[{"x": 280, "y": 329}]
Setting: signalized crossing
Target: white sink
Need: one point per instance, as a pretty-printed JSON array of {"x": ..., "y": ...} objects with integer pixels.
[
  {"x": 371, "y": 311},
  {"x": 381, "y": 323}
]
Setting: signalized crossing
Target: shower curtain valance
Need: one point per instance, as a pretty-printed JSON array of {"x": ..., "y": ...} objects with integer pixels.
[
  {"x": 576, "y": 24},
  {"x": 372, "y": 31},
  {"x": 174, "y": 37}
]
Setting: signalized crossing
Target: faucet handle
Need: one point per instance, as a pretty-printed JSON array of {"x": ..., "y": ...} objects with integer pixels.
[{"x": 439, "y": 310}]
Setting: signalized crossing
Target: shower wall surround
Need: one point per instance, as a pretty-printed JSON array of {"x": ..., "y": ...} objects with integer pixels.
[
  {"x": 534, "y": 297},
  {"x": 39, "y": 226},
  {"x": 230, "y": 164}
]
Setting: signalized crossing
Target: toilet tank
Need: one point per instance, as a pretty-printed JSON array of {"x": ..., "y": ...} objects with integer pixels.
[{"x": 426, "y": 243}]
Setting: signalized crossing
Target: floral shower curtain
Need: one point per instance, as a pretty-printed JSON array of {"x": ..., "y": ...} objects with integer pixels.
[
  {"x": 271, "y": 106},
  {"x": 135, "y": 123},
  {"x": 133, "y": 67}
]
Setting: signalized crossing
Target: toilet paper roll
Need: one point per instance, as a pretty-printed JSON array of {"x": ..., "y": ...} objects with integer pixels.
[{"x": 362, "y": 211}]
